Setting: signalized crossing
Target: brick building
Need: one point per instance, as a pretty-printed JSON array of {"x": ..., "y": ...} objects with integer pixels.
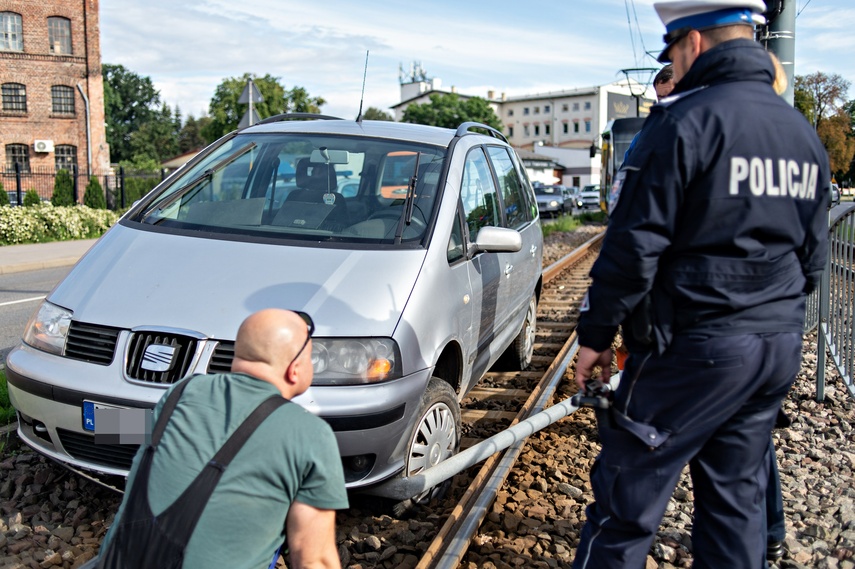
[{"x": 52, "y": 113}]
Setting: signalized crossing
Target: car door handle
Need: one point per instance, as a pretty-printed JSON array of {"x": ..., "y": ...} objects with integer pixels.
[{"x": 508, "y": 269}]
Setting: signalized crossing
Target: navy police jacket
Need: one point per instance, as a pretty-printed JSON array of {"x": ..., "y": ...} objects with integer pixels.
[{"x": 721, "y": 223}]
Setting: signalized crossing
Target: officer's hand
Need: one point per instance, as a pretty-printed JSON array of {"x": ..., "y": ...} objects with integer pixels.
[{"x": 586, "y": 360}]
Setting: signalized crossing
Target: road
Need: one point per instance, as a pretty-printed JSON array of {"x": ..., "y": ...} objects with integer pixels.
[{"x": 20, "y": 294}]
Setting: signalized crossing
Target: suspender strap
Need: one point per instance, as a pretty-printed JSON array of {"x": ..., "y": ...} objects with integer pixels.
[
  {"x": 166, "y": 411},
  {"x": 228, "y": 451}
]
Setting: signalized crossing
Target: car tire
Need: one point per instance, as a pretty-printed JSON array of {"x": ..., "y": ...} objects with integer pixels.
[
  {"x": 518, "y": 355},
  {"x": 435, "y": 437}
]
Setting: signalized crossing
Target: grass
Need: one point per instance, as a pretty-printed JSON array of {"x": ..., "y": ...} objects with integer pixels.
[
  {"x": 567, "y": 223},
  {"x": 7, "y": 412}
]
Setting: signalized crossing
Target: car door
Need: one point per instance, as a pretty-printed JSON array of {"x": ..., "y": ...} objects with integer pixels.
[
  {"x": 480, "y": 203},
  {"x": 520, "y": 269}
]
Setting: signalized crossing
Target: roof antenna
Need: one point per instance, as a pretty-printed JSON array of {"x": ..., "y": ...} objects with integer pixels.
[{"x": 362, "y": 97}]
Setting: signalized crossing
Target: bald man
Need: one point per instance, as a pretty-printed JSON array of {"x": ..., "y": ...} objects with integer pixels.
[{"x": 286, "y": 478}]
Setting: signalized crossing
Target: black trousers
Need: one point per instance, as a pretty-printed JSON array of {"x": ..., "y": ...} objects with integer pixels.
[{"x": 709, "y": 402}]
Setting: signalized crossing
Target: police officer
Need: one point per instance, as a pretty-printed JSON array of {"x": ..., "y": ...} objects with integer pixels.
[{"x": 719, "y": 233}]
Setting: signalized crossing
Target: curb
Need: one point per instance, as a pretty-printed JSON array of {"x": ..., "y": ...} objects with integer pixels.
[{"x": 37, "y": 265}]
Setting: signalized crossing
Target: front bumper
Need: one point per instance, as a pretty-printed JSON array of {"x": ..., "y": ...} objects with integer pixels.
[{"x": 372, "y": 423}]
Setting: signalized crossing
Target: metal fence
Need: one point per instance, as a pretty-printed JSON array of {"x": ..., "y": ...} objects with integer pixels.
[
  {"x": 122, "y": 186},
  {"x": 832, "y": 307}
]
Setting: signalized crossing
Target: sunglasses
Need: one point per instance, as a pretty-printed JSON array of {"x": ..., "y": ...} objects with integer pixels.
[{"x": 310, "y": 329}]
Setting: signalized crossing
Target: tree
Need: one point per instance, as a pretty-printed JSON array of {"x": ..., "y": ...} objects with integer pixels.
[
  {"x": 63, "y": 189},
  {"x": 824, "y": 95},
  {"x": 450, "y": 111},
  {"x": 31, "y": 197},
  {"x": 190, "y": 137},
  {"x": 225, "y": 111},
  {"x": 94, "y": 195},
  {"x": 375, "y": 114},
  {"x": 130, "y": 101},
  {"x": 4, "y": 197},
  {"x": 157, "y": 138}
]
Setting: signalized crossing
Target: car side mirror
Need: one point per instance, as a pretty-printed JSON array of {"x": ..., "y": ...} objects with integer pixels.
[{"x": 497, "y": 240}]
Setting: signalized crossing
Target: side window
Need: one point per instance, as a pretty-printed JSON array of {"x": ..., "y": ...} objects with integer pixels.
[
  {"x": 517, "y": 212},
  {"x": 478, "y": 193},
  {"x": 455, "y": 242}
]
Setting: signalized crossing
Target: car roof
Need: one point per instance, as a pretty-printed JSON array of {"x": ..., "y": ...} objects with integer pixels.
[{"x": 381, "y": 129}]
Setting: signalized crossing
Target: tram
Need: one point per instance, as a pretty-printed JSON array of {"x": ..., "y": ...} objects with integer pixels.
[{"x": 616, "y": 140}]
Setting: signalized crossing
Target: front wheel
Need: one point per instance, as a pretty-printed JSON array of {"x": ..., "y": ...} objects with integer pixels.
[{"x": 435, "y": 437}]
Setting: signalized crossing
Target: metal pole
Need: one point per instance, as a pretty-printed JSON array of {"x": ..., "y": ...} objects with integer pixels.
[
  {"x": 18, "y": 183},
  {"x": 75, "y": 193},
  {"x": 781, "y": 40},
  {"x": 88, "y": 129},
  {"x": 122, "y": 185}
]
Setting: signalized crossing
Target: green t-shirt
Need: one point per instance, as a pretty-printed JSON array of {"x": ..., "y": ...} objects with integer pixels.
[{"x": 292, "y": 456}]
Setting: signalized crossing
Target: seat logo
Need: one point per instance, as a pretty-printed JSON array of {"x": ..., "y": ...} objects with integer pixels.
[{"x": 158, "y": 357}]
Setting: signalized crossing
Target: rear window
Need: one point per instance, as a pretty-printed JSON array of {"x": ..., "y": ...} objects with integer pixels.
[{"x": 298, "y": 186}]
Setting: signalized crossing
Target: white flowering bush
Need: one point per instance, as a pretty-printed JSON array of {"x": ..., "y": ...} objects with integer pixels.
[{"x": 45, "y": 222}]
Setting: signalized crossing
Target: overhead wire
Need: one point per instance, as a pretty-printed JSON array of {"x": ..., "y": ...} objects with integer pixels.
[
  {"x": 631, "y": 35},
  {"x": 803, "y": 8}
]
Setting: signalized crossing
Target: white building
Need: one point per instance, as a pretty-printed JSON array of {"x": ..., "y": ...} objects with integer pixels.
[{"x": 548, "y": 124}]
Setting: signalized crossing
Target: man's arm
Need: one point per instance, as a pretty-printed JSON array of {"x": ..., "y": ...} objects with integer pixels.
[{"x": 311, "y": 537}]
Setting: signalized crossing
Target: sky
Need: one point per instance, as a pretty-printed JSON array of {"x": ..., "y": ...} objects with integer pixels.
[{"x": 187, "y": 47}]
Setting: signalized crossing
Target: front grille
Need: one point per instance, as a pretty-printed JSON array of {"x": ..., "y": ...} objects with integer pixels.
[
  {"x": 221, "y": 359},
  {"x": 91, "y": 343},
  {"x": 178, "y": 364},
  {"x": 83, "y": 447}
]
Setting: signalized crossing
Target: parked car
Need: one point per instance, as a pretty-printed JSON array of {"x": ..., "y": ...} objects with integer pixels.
[
  {"x": 552, "y": 200},
  {"x": 835, "y": 195},
  {"x": 414, "y": 297},
  {"x": 590, "y": 196}
]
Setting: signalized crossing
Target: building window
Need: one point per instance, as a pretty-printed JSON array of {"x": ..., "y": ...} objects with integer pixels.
[
  {"x": 66, "y": 157},
  {"x": 59, "y": 35},
  {"x": 510, "y": 112},
  {"x": 11, "y": 36},
  {"x": 525, "y": 131},
  {"x": 588, "y": 126},
  {"x": 576, "y": 180},
  {"x": 575, "y": 127},
  {"x": 510, "y": 132},
  {"x": 537, "y": 130},
  {"x": 14, "y": 97},
  {"x": 62, "y": 99},
  {"x": 575, "y": 106},
  {"x": 546, "y": 129},
  {"x": 537, "y": 110},
  {"x": 565, "y": 128},
  {"x": 525, "y": 110},
  {"x": 587, "y": 105},
  {"x": 19, "y": 153},
  {"x": 546, "y": 108},
  {"x": 565, "y": 107}
]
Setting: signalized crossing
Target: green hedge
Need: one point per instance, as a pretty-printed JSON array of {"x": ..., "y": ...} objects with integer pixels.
[{"x": 44, "y": 222}]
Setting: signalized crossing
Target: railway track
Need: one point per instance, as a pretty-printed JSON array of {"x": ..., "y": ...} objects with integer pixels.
[{"x": 500, "y": 400}]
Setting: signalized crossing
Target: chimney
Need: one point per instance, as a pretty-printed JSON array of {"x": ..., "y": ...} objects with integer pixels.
[{"x": 491, "y": 95}]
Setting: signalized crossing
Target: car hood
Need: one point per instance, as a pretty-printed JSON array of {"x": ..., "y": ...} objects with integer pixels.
[{"x": 132, "y": 278}]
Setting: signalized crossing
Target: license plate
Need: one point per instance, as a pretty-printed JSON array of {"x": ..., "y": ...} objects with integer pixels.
[{"x": 89, "y": 413}]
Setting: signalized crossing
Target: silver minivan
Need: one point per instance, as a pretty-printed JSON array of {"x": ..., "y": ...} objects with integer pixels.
[{"x": 422, "y": 277}]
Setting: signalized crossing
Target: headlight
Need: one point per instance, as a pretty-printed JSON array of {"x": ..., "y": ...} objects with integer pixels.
[
  {"x": 354, "y": 361},
  {"x": 553, "y": 203},
  {"x": 48, "y": 328}
]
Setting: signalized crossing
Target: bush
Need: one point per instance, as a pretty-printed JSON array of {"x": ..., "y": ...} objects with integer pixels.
[
  {"x": 63, "y": 189},
  {"x": 31, "y": 197},
  {"x": 44, "y": 222},
  {"x": 94, "y": 195},
  {"x": 4, "y": 197}
]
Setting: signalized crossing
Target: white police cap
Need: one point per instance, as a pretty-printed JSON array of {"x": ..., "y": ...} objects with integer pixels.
[{"x": 682, "y": 16}]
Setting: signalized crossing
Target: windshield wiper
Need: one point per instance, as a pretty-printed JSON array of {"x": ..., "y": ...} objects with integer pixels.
[
  {"x": 407, "y": 216},
  {"x": 196, "y": 182}
]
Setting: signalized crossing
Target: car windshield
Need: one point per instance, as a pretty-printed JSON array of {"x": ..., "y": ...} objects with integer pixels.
[
  {"x": 547, "y": 191},
  {"x": 304, "y": 186}
]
